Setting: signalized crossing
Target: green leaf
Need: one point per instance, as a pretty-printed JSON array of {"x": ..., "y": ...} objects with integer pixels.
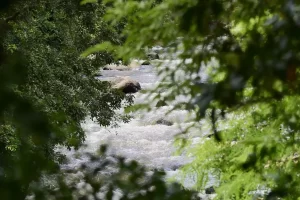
[
  {"x": 88, "y": 1},
  {"x": 105, "y": 46}
]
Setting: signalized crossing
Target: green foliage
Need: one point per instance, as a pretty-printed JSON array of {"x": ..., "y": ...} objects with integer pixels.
[
  {"x": 46, "y": 89},
  {"x": 51, "y": 36},
  {"x": 129, "y": 181},
  {"x": 46, "y": 92},
  {"x": 250, "y": 52}
]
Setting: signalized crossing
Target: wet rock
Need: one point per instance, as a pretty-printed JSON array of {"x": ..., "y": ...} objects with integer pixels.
[
  {"x": 176, "y": 167},
  {"x": 164, "y": 122},
  {"x": 161, "y": 103},
  {"x": 152, "y": 56},
  {"x": 210, "y": 190},
  {"x": 126, "y": 84},
  {"x": 147, "y": 62},
  {"x": 106, "y": 68}
]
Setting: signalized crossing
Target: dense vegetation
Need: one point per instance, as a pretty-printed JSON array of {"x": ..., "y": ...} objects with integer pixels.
[
  {"x": 47, "y": 90},
  {"x": 250, "y": 51}
]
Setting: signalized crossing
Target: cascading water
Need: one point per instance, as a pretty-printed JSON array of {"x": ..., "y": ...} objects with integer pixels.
[{"x": 142, "y": 139}]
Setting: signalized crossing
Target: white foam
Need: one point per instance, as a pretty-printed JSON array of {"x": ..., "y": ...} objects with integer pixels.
[{"x": 141, "y": 139}]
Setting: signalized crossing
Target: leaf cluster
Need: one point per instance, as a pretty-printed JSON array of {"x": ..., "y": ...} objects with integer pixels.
[{"x": 234, "y": 57}]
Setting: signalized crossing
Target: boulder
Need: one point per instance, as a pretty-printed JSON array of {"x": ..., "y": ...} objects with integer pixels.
[
  {"x": 147, "y": 62},
  {"x": 126, "y": 84},
  {"x": 164, "y": 122},
  {"x": 152, "y": 56}
]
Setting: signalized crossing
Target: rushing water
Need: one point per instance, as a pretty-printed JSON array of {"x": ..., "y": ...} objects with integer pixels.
[{"x": 141, "y": 139}]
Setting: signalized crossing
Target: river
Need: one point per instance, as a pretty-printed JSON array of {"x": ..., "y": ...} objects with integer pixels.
[{"x": 142, "y": 139}]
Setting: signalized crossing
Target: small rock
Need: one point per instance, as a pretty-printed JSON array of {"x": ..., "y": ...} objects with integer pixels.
[
  {"x": 175, "y": 167},
  {"x": 152, "y": 56},
  {"x": 164, "y": 122},
  {"x": 161, "y": 103},
  {"x": 210, "y": 190},
  {"x": 106, "y": 68},
  {"x": 147, "y": 62}
]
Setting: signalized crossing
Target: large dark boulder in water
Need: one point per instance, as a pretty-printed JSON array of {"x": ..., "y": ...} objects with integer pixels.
[{"x": 126, "y": 84}]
